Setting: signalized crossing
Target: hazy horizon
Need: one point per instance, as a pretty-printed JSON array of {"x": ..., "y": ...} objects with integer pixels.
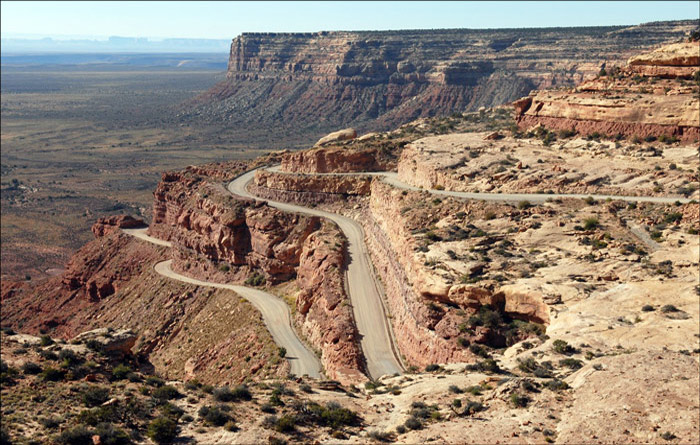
[{"x": 225, "y": 20}]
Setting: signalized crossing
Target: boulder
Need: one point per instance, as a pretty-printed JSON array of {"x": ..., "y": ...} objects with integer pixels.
[
  {"x": 112, "y": 342},
  {"x": 336, "y": 136}
]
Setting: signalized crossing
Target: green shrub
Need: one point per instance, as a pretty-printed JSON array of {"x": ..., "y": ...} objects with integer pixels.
[
  {"x": 668, "y": 435},
  {"x": 45, "y": 340},
  {"x": 455, "y": 389},
  {"x": 110, "y": 435},
  {"x": 413, "y": 424},
  {"x": 590, "y": 223},
  {"x": 562, "y": 347},
  {"x": 463, "y": 342},
  {"x": 673, "y": 217},
  {"x": 162, "y": 430},
  {"x": 282, "y": 352},
  {"x": 480, "y": 350},
  {"x": 95, "y": 395},
  {"x": 78, "y": 435},
  {"x": 571, "y": 363},
  {"x": 120, "y": 372},
  {"x": 169, "y": 410},
  {"x": 99, "y": 415},
  {"x": 473, "y": 407},
  {"x": 522, "y": 205},
  {"x": 214, "y": 415},
  {"x": 225, "y": 394},
  {"x": 669, "y": 308},
  {"x": 286, "y": 424},
  {"x": 52, "y": 374},
  {"x": 487, "y": 366},
  {"x": 95, "y": 345},
  {"x": 432, "y": 367},
  {"x": 255, "y": 279},
  {"x": 50, "y": 423},
  {"x": 69, "y": 358},
  {"x": 379, "y": 436},
  {"x": 31, "y": 368},
  {"x": 556, "y": 385},
  {"x": 519, "y": 400},
  {"x": 153, "y": 380},
  {"x": 401, "y": 429},
  {"x": 166, "y": 392},
  {"x": 331, "y": 415}
]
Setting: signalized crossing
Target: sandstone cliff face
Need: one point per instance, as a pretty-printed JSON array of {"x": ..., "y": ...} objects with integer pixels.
[
  {"x": 331, "y": 160},
  {"x": 428, "y": 333},
  {"x": 634, "y": 102},
  {"x": 111, "y": 224},
  {"x": 329, "y": 80},
  {"x": 323, "y": 309},
  {"x": 179, "y": 327},
  {"x": 203, "y": 218},
  {"x": 209, "y": 228},
  {"x": 335, "y": 185}
]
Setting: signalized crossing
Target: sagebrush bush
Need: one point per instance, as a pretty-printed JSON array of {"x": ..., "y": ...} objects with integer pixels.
[
  {"x": 95, "y": 395},
  {"x": 162, "y": 430}
]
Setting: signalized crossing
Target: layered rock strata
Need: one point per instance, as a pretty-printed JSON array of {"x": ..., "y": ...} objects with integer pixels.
[
  {"x": 323, "y": 309},
  {"x": 317, "y": 82},
  {"x": 633, "y": 102},
  {"x": 178, "y": 328},
  {"x": 204, "y": 218},
  {"x": 426, "y": 333},
  {"x": 221, "y": 237},
  {"x": 332, "y": 160}
]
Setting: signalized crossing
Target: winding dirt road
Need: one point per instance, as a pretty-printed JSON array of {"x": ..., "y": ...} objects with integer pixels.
[
  {"x": 275, "y": 312},
  {"x": 371, "y": 317},
  {"x": 392, "y": 178},
  {"x": 377, "y": 344}
]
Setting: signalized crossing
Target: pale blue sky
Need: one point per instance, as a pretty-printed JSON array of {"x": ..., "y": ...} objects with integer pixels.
[{"x": 225, "y": 20}]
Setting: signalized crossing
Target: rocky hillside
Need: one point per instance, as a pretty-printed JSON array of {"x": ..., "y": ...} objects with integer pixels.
[
  {"x": 378, "y": 80},
  {"x": 653, "y": 96}
]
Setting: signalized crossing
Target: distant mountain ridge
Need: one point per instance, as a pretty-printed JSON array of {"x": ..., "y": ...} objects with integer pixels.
[{"x": 374, "y": 80}]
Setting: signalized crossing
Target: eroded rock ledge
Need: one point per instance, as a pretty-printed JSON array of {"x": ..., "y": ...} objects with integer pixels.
[
  {"x": 649, "y": 97},
  {"x": 220, "y": 237}
]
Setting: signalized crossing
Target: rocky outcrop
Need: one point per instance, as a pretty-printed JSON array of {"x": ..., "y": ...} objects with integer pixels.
[
  {"x": 110, "y": 224},
  {"x": 337, "y": 136},
  {"x": 322, "y": 307},
  {"x": 427, "y": 332},
  {"x": 623, "y": 102},
  {"x": 89, "y": 274},
  {"x": 336, "y": 185},
  {"x": 181, "y": 330},
  {"x": 202, "y": 217},
  {"x": 676, "y": 60},
  {"x": 209, "y": 227},
  {"x": 332, "y": 160},
  {"x": 110, "y": 341},
  {"x": 318, "y": 82}
]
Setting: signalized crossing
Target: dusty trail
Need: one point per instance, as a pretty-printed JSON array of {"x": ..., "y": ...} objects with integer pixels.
[
  {"x": 392, "y": 178},
  {"x": 377, "y": 343},
  {"x": 275, "y": 312}
]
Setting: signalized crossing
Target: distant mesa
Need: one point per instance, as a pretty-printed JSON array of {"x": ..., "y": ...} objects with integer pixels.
[{"x": 377, "y": 80}]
